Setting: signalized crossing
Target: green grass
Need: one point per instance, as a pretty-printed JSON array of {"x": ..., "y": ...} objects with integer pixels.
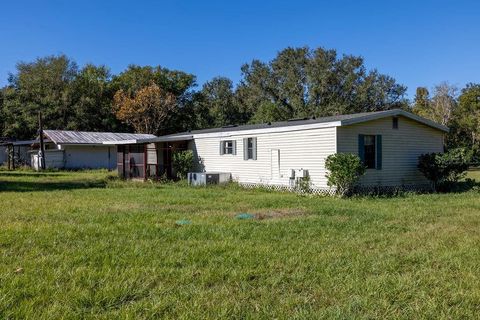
[{"x": 81, "y": 245}]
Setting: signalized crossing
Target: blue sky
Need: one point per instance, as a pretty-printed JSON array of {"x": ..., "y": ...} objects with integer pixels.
[{"x": 419, "y": 43}]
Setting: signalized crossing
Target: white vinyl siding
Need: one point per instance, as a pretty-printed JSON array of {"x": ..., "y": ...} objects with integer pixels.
[
  {"x": 400, "y": 149},
  {"x": 90, "y": 157},
  {"x": 302, "y": 149},
  {"x": 53, "y": 159}
]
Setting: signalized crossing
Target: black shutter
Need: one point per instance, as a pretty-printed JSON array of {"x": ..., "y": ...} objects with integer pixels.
[
  {"x": 245, "y": 148},
  {"x": 379, "y": 152},
  {"x": 361, "y": 147}
]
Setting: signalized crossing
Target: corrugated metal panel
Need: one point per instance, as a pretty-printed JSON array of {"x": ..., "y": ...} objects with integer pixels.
[
  {"x": 400, "y": 149},
  {"x": 301, "y": 149},
  {"x": 84, "y": 137}
]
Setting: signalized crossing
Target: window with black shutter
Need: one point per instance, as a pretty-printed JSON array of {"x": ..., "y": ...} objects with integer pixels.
[{"x": 369, "y": 151}]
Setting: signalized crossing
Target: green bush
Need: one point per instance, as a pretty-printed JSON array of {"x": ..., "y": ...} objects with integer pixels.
[
  {"x": 445, "y": 169},
  {"x": 303, "y": 185},
  {"x": 182, "y": 162},
  {"x": 344, "y": 171}
]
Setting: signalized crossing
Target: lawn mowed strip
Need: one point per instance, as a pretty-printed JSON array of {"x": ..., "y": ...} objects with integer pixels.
[{"x": 81, "y": 245}]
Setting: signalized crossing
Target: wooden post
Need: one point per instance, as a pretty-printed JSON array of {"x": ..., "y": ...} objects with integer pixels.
[
  {"x": 13, "y": 157},
  {"x": 9, "y": 157},
  {"x": 41, "y": 154}
]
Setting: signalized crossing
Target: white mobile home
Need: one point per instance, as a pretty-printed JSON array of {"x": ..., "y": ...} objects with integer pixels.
[
  {"x": 80, "y": 149},
  {"x": 276, "y": 154}
]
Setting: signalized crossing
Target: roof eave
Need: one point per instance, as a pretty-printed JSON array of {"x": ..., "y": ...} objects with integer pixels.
[
  {"x": 392, "y": 113},
  {"x": 167, "y": 139},
  {"x": 120, "y": 142}
]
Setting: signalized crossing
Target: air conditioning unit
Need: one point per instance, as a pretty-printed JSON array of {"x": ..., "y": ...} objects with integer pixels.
[
  {"x": 204, "y": 178},
  {"x": 292, "y": 174},
  {"x": 301, "y": 173},
  {"x": 298, "y": 173}
]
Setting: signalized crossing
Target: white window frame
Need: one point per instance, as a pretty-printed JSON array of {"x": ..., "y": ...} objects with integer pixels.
[{"x": 227, "y": 147}]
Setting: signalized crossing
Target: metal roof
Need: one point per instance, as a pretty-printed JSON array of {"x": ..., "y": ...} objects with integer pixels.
[
  {"x": 340, "y": 120},
  {"x": 288, "y": 123},
  {"x": 19, "y": 142},
  {"x": 86, "y": 137}
]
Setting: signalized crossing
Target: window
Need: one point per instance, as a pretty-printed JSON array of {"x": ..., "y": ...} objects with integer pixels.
[
  {"x": 227, "y": 147},
  {"x": 395, "y": 122},
  {"x": 369, "y": 151},
  {"x": 250, "y": 148}
]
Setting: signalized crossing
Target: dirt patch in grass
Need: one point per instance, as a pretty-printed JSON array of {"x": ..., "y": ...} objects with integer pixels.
[{"x": 280, "y": 214}]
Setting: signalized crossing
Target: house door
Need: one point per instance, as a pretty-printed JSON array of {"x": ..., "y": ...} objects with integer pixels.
[
  {"x": 167, "y": 160},
  {"x": 121, "y": 161},
  {"x": 275, "y": 163}
]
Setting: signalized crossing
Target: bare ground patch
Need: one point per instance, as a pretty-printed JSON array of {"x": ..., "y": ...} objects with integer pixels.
[{"x": 280, "y": 214}]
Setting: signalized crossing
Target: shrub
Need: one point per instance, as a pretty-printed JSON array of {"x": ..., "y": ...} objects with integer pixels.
[
  {"x": 344, "y": 171},
  {"x": 445, "y": 169},
  {"x": 182, "y": 162},
  {"x": 303, "y": 185}
]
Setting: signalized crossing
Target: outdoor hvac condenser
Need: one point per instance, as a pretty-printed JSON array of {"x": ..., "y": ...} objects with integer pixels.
[{"x": 204, "y": 178}]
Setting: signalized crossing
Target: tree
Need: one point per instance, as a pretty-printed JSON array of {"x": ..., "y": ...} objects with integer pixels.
[
  {"x": 301, "y": 82},
  {"x": 42, "y": 85},
  {"x": 177, "y": 83},
  {"x": 148, "y": 111},
  {"x": 466, "y": 118},
  {"x": 2, "y": 117},
  {"x": 137, "y": 77},
  {"x": 218, "y": 104},
  {"x": 440, "y": 107},
  {"x": 422, "y": 101},
  {"x": 91, "y": 101},
  {"x": 443, "y": 103}
]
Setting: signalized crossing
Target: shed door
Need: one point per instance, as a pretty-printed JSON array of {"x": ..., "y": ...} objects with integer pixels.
[{"x": 275, "y": 163}]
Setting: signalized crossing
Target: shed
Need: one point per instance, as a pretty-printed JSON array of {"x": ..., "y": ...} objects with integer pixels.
[
  {"x": 81, "y": 149},
  {"x": 15, "y": 153}
]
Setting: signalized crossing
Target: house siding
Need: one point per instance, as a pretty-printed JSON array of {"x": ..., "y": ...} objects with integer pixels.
[
  {"x": 53, "y": 159},
  {"x": 90, "y": 157},
  {"x": 400, "y": 149},
  {"x": 302, "y": 149}
]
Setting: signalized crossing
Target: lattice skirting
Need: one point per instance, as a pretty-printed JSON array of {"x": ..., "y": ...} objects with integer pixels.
[
  {"x": 360, "y": 190},
  {"x": 282, "y": 188}
]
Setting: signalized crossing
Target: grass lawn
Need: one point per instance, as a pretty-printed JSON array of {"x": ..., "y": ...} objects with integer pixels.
[{"x": 79, "y": 245}]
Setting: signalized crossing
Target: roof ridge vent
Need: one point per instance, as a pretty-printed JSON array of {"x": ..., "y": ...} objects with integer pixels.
[{"x": 297, "y": 119}]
